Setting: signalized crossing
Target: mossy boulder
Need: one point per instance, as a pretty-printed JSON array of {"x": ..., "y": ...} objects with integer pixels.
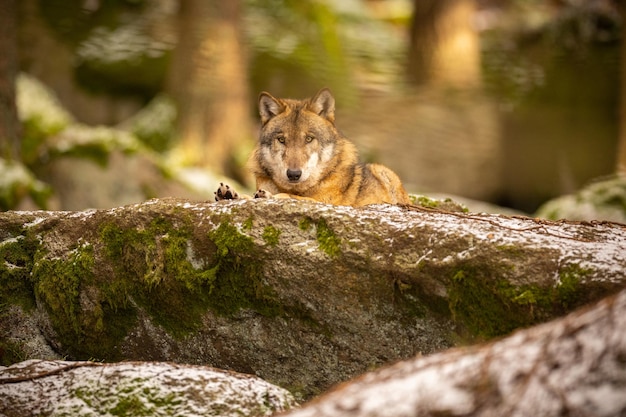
[
  {"x": 604, "y": 199},
  {"x": 61, "y": 388},
  {"x": 302, "y": 294}
]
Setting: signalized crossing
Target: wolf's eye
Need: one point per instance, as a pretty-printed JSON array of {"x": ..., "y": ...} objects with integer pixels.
[
  {"x": 309, "y": 138},
  {"x": 280, "y": 138}
]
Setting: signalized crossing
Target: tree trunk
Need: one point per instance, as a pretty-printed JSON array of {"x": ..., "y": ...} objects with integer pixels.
[
  {"x": 208, "y": 79},
  {"x": 444, "y": 46},
  {"x": 569, "y": 367},
  {"x": 621, "y": 145},
  {"x": 9, "y": 67},
  {"x": 302, "y": 294}
]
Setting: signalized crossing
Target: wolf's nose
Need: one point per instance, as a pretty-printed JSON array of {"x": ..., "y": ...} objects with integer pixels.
[{"x": 294, "y": 174}]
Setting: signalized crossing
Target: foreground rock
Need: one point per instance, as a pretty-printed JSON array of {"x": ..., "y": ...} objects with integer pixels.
[
  {"x": 60, "y": 388},
  {"x": 570, "y": 367},
  {"x": 301, "y": 294}
]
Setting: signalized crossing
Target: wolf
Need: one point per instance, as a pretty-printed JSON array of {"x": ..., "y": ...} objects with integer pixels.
[{"x": 301, "y": 154}]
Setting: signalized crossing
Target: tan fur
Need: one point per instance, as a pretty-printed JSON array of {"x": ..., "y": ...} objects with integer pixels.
[{"x": 302, "y": 155}]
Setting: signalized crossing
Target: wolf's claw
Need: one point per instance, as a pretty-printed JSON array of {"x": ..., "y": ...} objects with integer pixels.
[
  {"x": 224, "y": 192},
  {"x": 262, "y": 194}
]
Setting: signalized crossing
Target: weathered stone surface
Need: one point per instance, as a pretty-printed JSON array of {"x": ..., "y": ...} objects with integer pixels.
[
  {"x": 573, "y": 366},
  {"x": 302, "y": 294},
  {"x": 602, "y": 199},
  {"x": 61, "y": 388}
]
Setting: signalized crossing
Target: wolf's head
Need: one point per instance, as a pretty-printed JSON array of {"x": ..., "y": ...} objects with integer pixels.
[{"x": 298, "y": 140}]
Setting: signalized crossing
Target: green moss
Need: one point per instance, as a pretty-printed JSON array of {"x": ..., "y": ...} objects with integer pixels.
[
  {"x": 271, "y": 235},
  {"x": 248, "y": 223},
  {"x": 153, "y": 267},
  {"x": 131, "y": 405},
  {"x": 57, "y": 284},
  {"x": 305, "y": 224},
  {"x": 448, "y": 204},
  {"x": 327, "y": 240},
  {"x": 490, "y": 308},
  {"x": 130, "y": 397},
  {"x": 493, "y": 307},
  {"x": 568, "y": 290},
  {"x": 10, "y": 352},
  {"x": 15, "y": 268},
  {"x": 86, "y": 325},
  {"x": 425, "y": 201},
  {"x": 92, "y": 295},
  {"x": 239, "y": 284},
  {"x": 478, "y": 307}
]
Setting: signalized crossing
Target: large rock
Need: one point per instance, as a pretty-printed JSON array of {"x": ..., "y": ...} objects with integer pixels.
[
  {"x": 569, "y": 367},
  {"x": 604, "y": 199},
  {"x": 61, "y": 388},
  {"x": 302, "y": 294}
]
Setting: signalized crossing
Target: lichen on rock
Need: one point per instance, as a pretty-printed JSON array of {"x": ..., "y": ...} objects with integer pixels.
[
  {"x": 61, "y": 388},
  {"x": 604, "y": 199}
]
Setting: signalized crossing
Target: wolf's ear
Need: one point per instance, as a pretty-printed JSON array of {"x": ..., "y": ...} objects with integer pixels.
[
  {"x": 269, "y": 107},
  {"x": 324, "y": 104}
]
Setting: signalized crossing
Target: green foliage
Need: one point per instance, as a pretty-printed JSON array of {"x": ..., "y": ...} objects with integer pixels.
[
  {"x": 16, "y": 182},
  {"x": 41, "y": 116},
  {"x": 313, "y": 49},
  {"x": 313, "y": 43},
  {"x": 124, "y": 60},
  {"x": 92, "y": 142},
  {"x": 114, "y": 49},
  {"x": 49, "y": 131},
  {"x": 155, "y": 124}
]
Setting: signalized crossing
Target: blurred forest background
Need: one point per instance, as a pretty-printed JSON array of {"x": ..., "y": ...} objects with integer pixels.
[{"x": 110, "y": 102}]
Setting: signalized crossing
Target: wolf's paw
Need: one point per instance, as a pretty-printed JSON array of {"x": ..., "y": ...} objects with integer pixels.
[
  {"x": 224, "y": 192},
  {"x": 262, "y": 194}
]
